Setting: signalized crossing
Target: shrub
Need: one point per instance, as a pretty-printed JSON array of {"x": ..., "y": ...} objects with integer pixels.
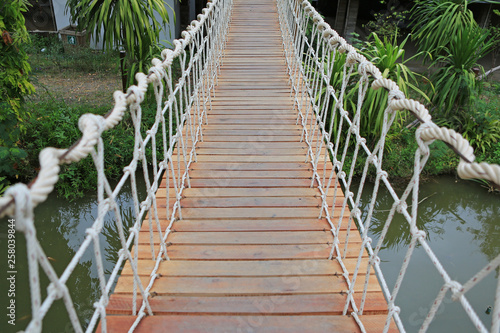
[{"x": 14, "y": 85}]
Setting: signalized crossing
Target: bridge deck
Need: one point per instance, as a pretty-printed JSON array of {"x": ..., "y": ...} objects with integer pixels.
[{"x": 250, "y": 253}]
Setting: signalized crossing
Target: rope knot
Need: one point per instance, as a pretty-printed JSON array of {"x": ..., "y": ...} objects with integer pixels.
[
  {"x": 401, "y": 206},
  {"x": 328, "y": 32},
  {"x": 372, "y": 158},
  {"x": 101, "y": 307},
  {"x": 394, "y": 309},
  {"x": 134, "y": 231},
  {"x": 455, "y": 288},
  {"x": 374, "y": 260},
  {"x": 419, "y": 234},
  {"x": 58, "y": 290},
  {"x": 356, "y": 212},
  {"x": 92, "y": 232},
  {"x": 317, "y": 18},
  {"x": 382, "y": 174},
  {"x": 395, "y": 94},
  {"x": 158, "y": 71},
  {"x": 354, "y": 57},
  {"x": 137, "y": 93},
  {"x": 23, "y": 207},
  {"x": 129, "y": 169}
]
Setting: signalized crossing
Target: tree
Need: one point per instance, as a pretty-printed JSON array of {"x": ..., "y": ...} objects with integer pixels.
[
  {"x": 14, "y": 84},
  {"x": 130, "y": 25}
]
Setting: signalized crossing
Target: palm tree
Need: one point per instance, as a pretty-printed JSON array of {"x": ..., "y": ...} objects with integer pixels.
[{"x": 129, "y": 25}]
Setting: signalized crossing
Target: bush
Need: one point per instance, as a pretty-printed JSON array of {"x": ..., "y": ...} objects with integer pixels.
[
  {"x": 455, "y": 81},
  {"x": 55, "y": 124},
  {"x": 14, "y": 85}
]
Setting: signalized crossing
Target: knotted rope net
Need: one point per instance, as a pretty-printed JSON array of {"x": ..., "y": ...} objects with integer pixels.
[
  {"x": 311, "y": 48},
  {"x": 181, "y": 109},
  {"x": 315, "y": 53}
]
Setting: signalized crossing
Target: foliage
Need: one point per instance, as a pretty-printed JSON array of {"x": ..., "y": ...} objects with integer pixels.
[
  {"x": 481, "y": 124},
  {"x": 123, "y": 24},
  {"x": 455, "y": 80},
  {"x": 399, "y": 157},
  {"x": 54, "y": 124},
  {"x": 389, "y": 22},
  {"x": 388, "y": 56},
  {"x": 437, "y": 22},
  {"x": 495, "y": 35},
  {"x": 48, "y": 55},
  {"x": 14, "y": 84}
]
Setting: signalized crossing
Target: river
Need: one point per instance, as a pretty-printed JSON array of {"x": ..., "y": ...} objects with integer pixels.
[{"x": 461, "y": 219}]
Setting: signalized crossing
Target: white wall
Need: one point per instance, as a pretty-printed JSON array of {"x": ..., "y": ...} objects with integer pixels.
[{"x": 169, "y": 34}]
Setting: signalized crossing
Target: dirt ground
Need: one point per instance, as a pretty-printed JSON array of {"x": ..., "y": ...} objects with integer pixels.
[{"x": 91, "y": 88}]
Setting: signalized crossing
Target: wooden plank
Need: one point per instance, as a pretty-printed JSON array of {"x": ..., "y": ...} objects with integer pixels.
[
  {"x": 244, "y": 192},
  {"x": 263, "y": 145},
  {"x": 215, "y": 324},
  {"x": 325, "y": 304},
  {"x": 242, "y": 286},
  {"x": 290, "y": 224},
  {"x": 250, "y": 237},
  {"x": 242, "y": 252},
  {"x": 242, "y": 138},
  {"x": 255, "y": 225},
  {"x": 246, "y": 174},
  {"x": 251, "y": 202},
  {"x": 246, "y": 267},
  {"x": 249, "y": 150},
  {"x": 241, "y": 268},
  {"x": 250, "y": 166},
  {"x": 256, "y": 182},
  {"x": 264, "y": 212}
]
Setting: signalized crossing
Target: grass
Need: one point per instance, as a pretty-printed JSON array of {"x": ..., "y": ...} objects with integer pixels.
[
  {"x": 74, "y": 81},
  {"x": 71, "y": 81},
  {"x": 48, "y": 55}
]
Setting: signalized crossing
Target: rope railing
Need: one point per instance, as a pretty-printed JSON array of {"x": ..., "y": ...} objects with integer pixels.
[
  {"x": 181, "y": 109},
  {"x": 331, "y": 129}
]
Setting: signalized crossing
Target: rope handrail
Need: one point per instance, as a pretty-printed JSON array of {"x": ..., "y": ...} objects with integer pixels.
[
  {"x": 180, "y": 112},
  {"x": 311, "y": 48}
]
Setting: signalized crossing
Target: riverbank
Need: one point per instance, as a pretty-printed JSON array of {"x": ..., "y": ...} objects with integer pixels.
[{"x": 74, "y": 81}]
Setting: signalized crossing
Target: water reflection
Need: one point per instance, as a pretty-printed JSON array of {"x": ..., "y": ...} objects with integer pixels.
[
  {"x": 61, "y": 227},
  {"x": 462, "y": 223}
]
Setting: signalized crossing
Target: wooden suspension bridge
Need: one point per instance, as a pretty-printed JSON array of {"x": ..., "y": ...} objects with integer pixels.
[{"x": 249, "y": 253}]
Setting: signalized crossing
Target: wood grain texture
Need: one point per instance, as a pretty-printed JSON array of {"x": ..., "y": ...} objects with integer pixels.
[{"x": 250, "y": 251}]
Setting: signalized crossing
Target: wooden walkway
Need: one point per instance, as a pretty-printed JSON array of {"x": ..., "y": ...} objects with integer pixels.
[{"x": 250, "y": 254}]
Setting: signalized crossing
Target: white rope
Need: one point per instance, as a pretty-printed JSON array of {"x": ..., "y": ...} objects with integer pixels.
[
  {"x": 180, "y": 112},
  {"x": 311, "y": 48},
  {"x": 183, "y": 107}
]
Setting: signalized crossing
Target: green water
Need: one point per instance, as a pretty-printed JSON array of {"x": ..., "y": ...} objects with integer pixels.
[
  {"x": 61, "y": 227},
  {"x": 461, "y": 218},
  {"x": 462, "y": 223}
]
